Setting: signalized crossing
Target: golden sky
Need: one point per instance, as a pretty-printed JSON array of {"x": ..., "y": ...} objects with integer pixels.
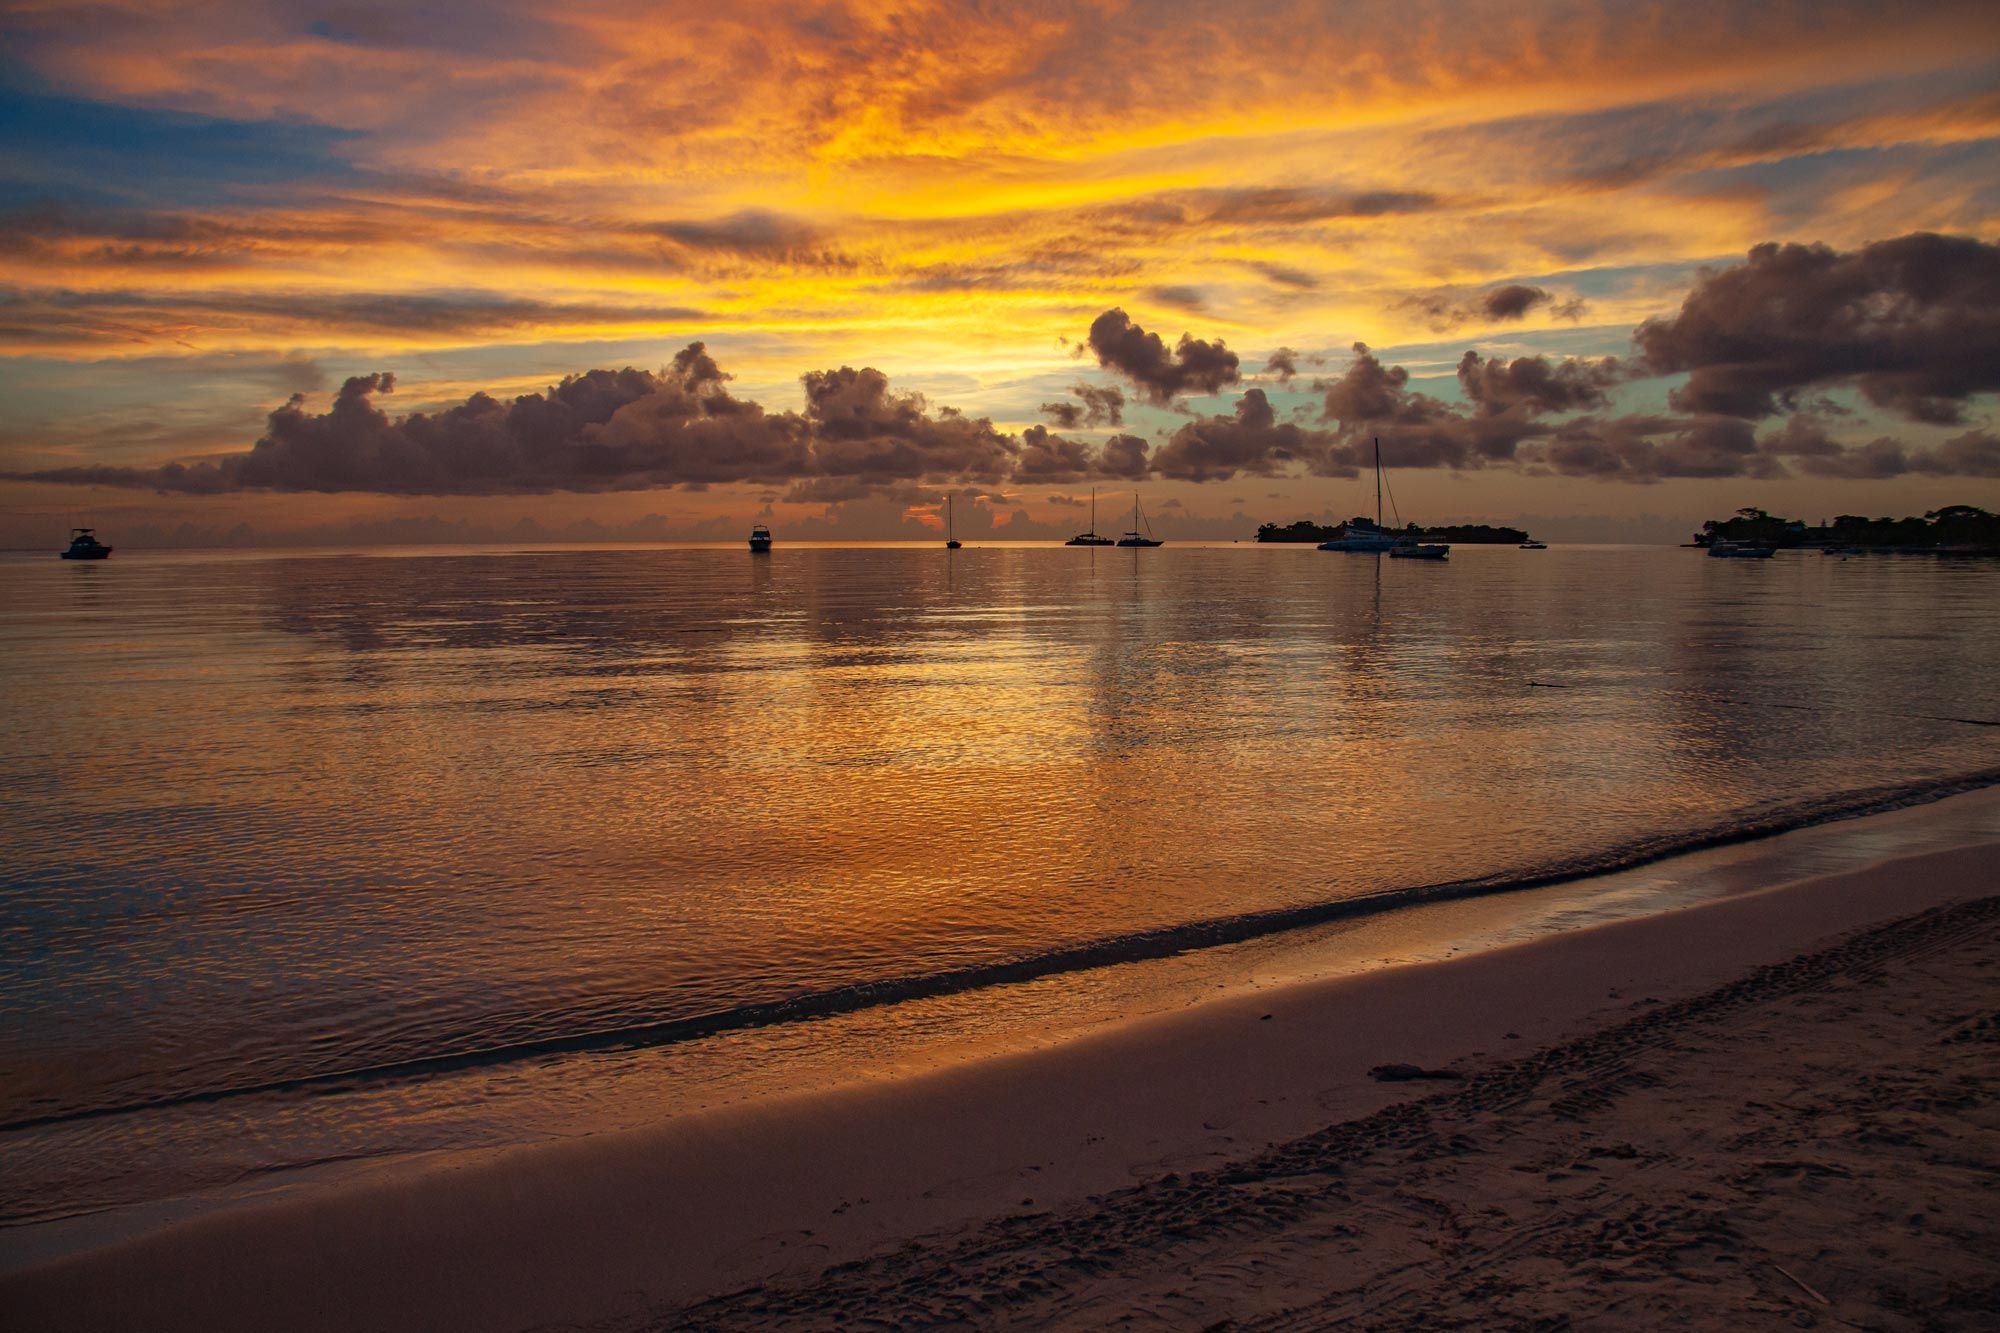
[{"x": 209, "y": 211}]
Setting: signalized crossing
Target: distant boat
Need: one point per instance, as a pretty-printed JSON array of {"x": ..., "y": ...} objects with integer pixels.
[
  {"x": 1090, "y": 538},
  {"x": 1133, "y": 538},
  {"x": 1532, "y": 545},
  {"x": 1722, "y": 549},
  {"x": 760, "y": 539},
  {"x": 1409, "y": 548},
  {"x": 83, "y": 545},
  {"x": 1368, "y": 541},
  {"x": 951, "y": 542}
]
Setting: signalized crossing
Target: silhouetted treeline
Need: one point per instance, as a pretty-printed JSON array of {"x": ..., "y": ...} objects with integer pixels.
[
  {"x": 1467, "y": 534},
  {"x": 1953, "y": 528}
]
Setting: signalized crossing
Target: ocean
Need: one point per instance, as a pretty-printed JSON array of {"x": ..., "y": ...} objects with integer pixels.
[{"x": 329, "y": 859}]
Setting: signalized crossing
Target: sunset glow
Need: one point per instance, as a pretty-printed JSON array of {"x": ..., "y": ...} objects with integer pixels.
[{"x": 208, "y": 213}]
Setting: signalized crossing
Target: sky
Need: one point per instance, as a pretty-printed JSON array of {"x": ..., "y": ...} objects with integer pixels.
[{"x": 290, "y": 273}]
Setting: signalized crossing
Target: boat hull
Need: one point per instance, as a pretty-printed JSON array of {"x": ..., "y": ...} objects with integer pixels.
[
  {"x": 1089, "y": 541},
  {"x": 1137, "y": 541},
  {"x": 760, "y": 545},
  {"x": 1359, "y": 545},
  {"x": 101, "y": 553},
  {"x": 1420, "y": 553}
]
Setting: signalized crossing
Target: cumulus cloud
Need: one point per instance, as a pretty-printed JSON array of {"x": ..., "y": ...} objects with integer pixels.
[
  {"x": 633, "y": 429},
  {"x": 1250, "y": 441},
  {"x": 1505, "y": 303},
  {"x": 1508, "y": 401},
  {"x": 1536, "y": 384},
  {"x": 867, "y": 434},
  {"x": 1913, "y": 323},
  {"x": 1160, "y": 376},
  {"x": 1096, "y": 406},
  {"x": 1648, "y": 448},
  {"x": 1046, "y": 457},
  {"x": 683, "y": 427}
]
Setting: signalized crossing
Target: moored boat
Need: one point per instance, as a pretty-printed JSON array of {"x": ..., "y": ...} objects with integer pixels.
[
  {"x": 1358, "y": 536},
  {"x": 760, "y": 539},
  {"x": 1090, "y": 538},
  {"x": 83, "y": 545},
  {"x": 1409, "y": 548},
  {"x": 1133, "y": 538},
  {"x": 1722, "y": 549},
  {"x": 1532, "y": 545}
]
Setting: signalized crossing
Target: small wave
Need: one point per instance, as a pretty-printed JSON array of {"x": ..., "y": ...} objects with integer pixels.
[{"x": 1138, "y": 946}]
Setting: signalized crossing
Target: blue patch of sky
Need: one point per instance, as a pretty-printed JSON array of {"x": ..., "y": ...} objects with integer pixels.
[{"x": 73, "y": 151}]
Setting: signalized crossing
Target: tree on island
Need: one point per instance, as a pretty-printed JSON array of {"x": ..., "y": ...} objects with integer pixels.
[{"x": 1954, "y": 527}]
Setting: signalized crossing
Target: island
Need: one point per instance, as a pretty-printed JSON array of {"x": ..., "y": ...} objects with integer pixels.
[
  {"x": 1462, "y": 534},
  {"x": 1952, "y": 530}
]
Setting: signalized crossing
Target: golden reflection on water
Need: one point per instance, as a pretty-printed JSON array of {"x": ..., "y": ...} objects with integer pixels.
[{"x": 345, "y": 813}]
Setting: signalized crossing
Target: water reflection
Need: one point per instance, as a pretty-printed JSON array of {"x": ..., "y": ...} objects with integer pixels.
[{"x": 346, "y": 813}]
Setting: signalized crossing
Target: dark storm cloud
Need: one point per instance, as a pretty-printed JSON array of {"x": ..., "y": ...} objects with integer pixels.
[
  {"x": 1194, "y": 366},
  {"x": 1913, "y": 323},
  {"x": 1095, "y": 407}
]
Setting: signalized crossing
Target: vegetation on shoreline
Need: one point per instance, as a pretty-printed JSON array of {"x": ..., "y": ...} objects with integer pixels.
[
  {"x": 1955, "y": 528},
  {"x": 1464, "y": 534}
]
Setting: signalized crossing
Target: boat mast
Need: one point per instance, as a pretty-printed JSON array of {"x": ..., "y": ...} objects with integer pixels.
[
  {"x": 1093, "y": 511},
  {"x": 1378, "y": 483},
  {"x": 947, "y": 517}
]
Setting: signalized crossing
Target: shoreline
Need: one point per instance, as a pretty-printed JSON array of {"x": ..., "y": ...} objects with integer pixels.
[
  {"x": 609, "y": 1226},
  {"x": 1190, "y": 938}
]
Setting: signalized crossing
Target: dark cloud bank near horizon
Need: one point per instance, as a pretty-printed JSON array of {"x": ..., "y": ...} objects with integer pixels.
[{"x": 1911, "y": 324}]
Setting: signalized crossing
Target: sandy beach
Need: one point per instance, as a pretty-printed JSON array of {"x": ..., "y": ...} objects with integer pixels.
[{"x": 1773, "y": 1110}]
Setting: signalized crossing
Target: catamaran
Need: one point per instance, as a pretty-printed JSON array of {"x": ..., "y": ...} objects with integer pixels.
[{"x": 1090, "y": 538}]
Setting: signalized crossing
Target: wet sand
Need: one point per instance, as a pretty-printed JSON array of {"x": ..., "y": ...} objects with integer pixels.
[{"x": 1771, "y": 1110}]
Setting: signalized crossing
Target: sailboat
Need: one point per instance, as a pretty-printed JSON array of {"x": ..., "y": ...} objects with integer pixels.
[
  {"x": 1373, "y": 540},
  {"x": 951, "y": 542},
  {"x": 1133, "y": 538},
  {"x": 1090, "y": 538}
]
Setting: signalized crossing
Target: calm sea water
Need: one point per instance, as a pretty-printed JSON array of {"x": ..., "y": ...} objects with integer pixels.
[{"x": 371, "y": 840}]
